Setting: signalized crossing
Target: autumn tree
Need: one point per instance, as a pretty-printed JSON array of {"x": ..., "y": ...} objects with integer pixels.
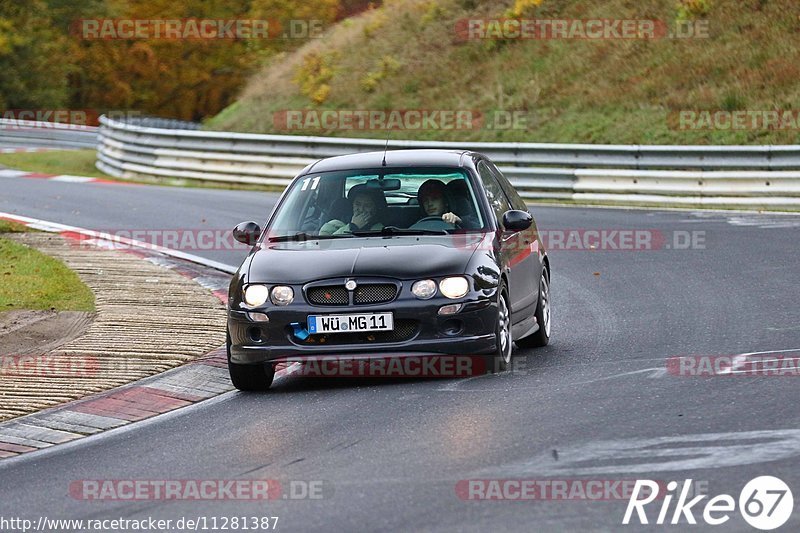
[
  {"x": 33, "y": 57},
  {"x": 46, "y": 60}
]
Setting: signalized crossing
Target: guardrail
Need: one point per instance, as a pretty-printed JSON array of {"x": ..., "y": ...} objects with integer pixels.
[
  {"x": 34, "y": 134},
  {"x": 753, "y": 176}
]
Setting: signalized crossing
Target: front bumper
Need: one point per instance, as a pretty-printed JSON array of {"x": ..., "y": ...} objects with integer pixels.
[{"x": 419, "y": 330}]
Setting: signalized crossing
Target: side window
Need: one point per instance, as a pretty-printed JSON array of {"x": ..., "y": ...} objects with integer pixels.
[
  {"x": 516, "y": 200},
  {"x": 494, "y": 192}
]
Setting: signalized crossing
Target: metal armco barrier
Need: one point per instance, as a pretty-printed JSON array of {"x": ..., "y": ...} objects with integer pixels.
[
  {"x": 747, "y": 176},
  {"x": 32, "y": 134}
]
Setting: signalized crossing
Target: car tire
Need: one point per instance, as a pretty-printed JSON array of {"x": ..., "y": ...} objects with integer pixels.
[
  {"x": 543, "y": 316},
  {"x": 249, "y": 377},
  {"x": 500, "y": 360}
]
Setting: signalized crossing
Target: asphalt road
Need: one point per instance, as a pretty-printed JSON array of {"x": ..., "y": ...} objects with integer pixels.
[
  {"x": 199, "y": 220},
  {"x": 6, "y": 144},
  {"x": 597, "y": 404}
]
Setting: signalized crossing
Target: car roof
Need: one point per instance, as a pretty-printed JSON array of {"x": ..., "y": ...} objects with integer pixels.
[{"x": 394, "y": 159}]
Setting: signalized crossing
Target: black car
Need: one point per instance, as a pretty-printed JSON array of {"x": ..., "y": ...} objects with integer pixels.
[{"x": 389, "y": 254}]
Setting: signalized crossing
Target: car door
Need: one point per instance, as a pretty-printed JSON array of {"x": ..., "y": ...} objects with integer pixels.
[
  {"x": 515, "y": 249},
  {"x": 531, "y": 235}
]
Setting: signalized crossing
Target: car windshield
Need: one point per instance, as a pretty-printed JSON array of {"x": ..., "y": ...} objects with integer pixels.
[{"x": 384, "y": 202}]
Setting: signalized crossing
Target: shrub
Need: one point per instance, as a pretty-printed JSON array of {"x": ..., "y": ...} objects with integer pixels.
[
  {"x": 313, "y": 76},
  {"x": 692, "y": 9},
  {"x": 387, "y": 66}
]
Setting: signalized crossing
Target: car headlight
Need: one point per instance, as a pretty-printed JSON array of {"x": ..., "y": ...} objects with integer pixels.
[
  {"x": 424, "y": 289},
  {"x": 282, "y": 295},
  {"x": 256, "y": 295},
  {"x": 455, "y": 287}
]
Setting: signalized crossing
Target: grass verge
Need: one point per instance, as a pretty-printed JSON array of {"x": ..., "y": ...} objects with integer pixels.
[
  {"x": 7, "y": 226},
  {"x": 72, "y": 162},
  {"x": 81, "y": 163},
  {"x": 32, "y": 280}
]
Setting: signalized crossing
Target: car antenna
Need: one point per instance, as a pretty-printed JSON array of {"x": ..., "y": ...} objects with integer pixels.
[{"x": 384, "y": 151}]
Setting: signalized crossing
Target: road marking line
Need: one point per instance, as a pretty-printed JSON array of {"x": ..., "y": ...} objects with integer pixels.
[
  {"x": 740, "y": 360},
  {"x": 10, "y": 173},
  {"x": 663, "y": 454},
  {"x": 74, "y": 179},
  {"x": 655, "y": 372}
]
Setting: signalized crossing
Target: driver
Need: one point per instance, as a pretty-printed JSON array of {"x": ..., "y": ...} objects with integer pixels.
[
  {"x": 434, "y": 202},
  {"x": 368, "y": 207}
]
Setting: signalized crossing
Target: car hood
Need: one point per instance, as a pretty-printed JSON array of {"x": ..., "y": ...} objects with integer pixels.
[{"x": 396, "y": 257}]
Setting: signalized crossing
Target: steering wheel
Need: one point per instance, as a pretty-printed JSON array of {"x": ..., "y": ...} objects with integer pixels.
[{"x": 434, "y": 223}]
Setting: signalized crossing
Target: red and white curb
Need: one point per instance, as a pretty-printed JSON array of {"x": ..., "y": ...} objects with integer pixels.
[
  {"x": 199, "y": 380},
  {"x": 10, "y": 173},
  {"x": 113, "y": 241},
  {"x": 194, "y": 382}
]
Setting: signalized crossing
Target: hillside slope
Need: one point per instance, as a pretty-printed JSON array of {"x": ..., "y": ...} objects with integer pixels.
[{"x": 408, "y": 54}]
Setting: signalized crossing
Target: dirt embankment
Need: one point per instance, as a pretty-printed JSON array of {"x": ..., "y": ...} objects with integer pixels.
[{"x": 38, "y": 332}]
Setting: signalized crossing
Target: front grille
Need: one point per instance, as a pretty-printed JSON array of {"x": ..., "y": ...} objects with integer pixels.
[
  {"x": 375, "y": 293},
  {"x": 404, "y": 329},
  {"x": 330, "y": 295}
]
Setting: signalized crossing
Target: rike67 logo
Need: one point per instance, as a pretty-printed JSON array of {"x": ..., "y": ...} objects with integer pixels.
[{"x": 765, "y": 503}]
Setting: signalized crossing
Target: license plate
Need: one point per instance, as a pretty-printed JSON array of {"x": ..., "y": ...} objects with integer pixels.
[{"x": 348, "y": 323}]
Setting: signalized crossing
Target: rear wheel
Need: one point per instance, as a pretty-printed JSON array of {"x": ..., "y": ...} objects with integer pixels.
[
  {"x": 500, "y": 360},
  {"x": 543, "y": 316},
  {"x": 249, "y": 377}
]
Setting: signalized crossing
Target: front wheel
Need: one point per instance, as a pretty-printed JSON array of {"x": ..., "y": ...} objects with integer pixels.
[
  {"x": 249, "y": 377},
  {"x": 543, "y": 316},
  {"x": 500, "y": 360}
]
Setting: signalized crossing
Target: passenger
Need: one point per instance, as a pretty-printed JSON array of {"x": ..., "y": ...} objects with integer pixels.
[{"x": 369, "y": 206}]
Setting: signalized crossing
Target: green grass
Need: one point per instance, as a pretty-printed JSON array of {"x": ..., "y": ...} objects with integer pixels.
[
  {"x": 72, "y": 162},
  {"x": 32, "y": 280},
  {"x": 574, "y": 91},
  {"x": 7, "y": 226}
]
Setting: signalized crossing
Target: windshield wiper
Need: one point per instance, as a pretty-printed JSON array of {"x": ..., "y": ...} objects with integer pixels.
[
  {"x": 388, "y": 231},
  {"x": 302, "y": 236}
]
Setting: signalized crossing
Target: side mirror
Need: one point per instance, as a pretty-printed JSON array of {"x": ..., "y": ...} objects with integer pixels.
[
  {"x": 247, "y": 233},
  {"x": 515, "y": 220}
]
